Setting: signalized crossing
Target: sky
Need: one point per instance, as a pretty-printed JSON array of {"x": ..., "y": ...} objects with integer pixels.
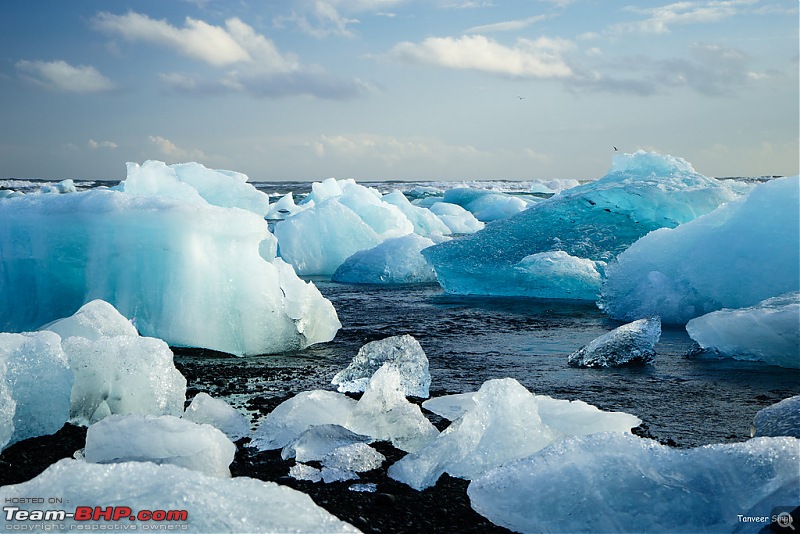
[{"x": 397, "y": 89}]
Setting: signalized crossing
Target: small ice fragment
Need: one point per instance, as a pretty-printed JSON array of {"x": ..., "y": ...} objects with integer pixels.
[{"x": 630, "y": 344}]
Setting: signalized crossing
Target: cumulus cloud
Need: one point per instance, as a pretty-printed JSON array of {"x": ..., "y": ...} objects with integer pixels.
[
  {"x": 61, "y": 76},
  {"x": 94, "y": 145},
  {"x": 172, "y": 152},
  {"x": 660, "y": 19},
  {"x": 539, "y": 58}
]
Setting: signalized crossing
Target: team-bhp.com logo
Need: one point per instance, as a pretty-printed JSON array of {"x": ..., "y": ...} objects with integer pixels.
[{"x": 90, "y": 518}]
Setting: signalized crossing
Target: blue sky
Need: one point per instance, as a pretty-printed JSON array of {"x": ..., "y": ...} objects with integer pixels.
[{"x": 397, "y": 89}]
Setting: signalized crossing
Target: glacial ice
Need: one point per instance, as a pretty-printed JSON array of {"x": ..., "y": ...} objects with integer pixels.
[
  {"x": 394, "y": 261},
  {"x": 195, "y": 183},
  {"x": 205, "y": 409},
  {"x": 236, "y": 505},
  {"x": 499, "y": 423},
  {"x": 780, "y": 419},
  {"x": 485, "y": 205},
  {"x": 35, "y": 385},
  {"x": 557, "y": 275},
  {"x": 305, "y": 472},
  {"x": 425, "y": 222},
  {"x": 296, "y": 415},
  {"x": 93, "y": 320},
  {"x": 614, "y": 482},
  {"x": 123, "y": 375},
  {"x": 457, "y": 219},
  {"x": 162, "y": 440},
  {"x": 185, "y": 271},
  {"x": 738, "y": 255},
  {"x": 357, "y": 457},
  {"x": 318, "y": 441},
  {"x": 384, "y": 413},
  {"x": 595, "y": 221},
  {"x": 284, "y": 207},
  {"x": 402, "y": 352},
  {"x": 553, "y": 186},
  {"x": 629, "y": 344},
  {"x": 768, "y": 331}
]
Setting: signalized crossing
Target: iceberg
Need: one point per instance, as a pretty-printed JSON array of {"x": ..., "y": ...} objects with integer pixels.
[
  {"x": 780, "y": 419},
  {"x": 204, "y": 503},
  {"x": 183, "y": 270},
  {"x": 383, "y": 413},
  {"x": 557, "y": 275},
  {"x": 303, "y": 411},
  {"x": 499, "y": 423},
  {"x": 629, "y": 344},
  {"x": 457, "y": 219},
  {"x": 35, "y": 386},
  {"x": 162, "y": 440},
  {"x": 768, "y": 331},
  {"x": 595, "y": 221},
  {"x": 613, "y": 482},
  {"x": 425, "y": 222},
  {"x": 734, "y": 257},
  {"x": 93, "y": 320},
  {"x": 486, "y": 206},
  {"x": 395, "y": 261},
  {"x": 401, "y": 352},
  {"x": 205, "y": 409},
  {"x": 318, "y": 441}
]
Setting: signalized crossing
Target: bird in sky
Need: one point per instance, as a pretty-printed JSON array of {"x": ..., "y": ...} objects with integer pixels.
[
  {"x": 615, "y": 148},
  {"x": 521, "y": 97}
]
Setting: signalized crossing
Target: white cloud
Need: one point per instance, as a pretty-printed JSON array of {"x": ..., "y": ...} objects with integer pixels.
[
  {"x": 171, "y": 152},
  {"x": 61, "y": 76},
  {"x": 197, "y": 39},
  {"x": 659, "y": 19},
  {"x": 511, "y": 25},
  {"x": 94, "y": 145},
  {"x": 322, "y": 20},
  {"x": 540, "y": 58}
]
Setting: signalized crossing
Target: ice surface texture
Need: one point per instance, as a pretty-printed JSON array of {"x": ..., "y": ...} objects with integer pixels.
[
  {"x": 595, "y": 221},
  {"x": 35, "y": 386},
  {"x": 403, "y": 352},
  {"x": 768, "y": 331},
  {"x": 501, "y": 422},
  {"x": 780, "y": 419},
  {"x": 162, "y": 440},
  {"x": 219, "y": 414},
  {"x": 629, "y": 344},
  {"x": 621, "y": 483},
  {"x": 185, "y": 271},
  {"x": 212, "y": 504},
  {"x": 742, "y": 253},
  {"x": 395, "y": 261}
]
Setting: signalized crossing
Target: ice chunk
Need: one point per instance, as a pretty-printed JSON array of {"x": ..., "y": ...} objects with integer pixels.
[
  {"x": 296, "y": 415},
  {"x": 395, "y": 261},
  {"x": 369, "y": 487},
  {"x": 402, "y": 352},
  {"x": 486, "y": 205},
  {"x": 502, "y": 425},
  {"x": 553, "y": 186},
  {"x": 162, "y": 440},
  {"x": 195, "y": 183},
  {"x": 594, "y": 221},
  {"x": 425, "y": 222},
  {"x": 190, "y": 274},
  {"x": 123, "y": 375},
  {"x": 211, "y": 504},
  {"x": 385, "y": 219},
  {"x": 614, "y": 482},
  {"x": 284, "y": 207},
  {"x": 92, "y": 321},
  {"x": 358, "y": 457},
  {"x": 557, "y": 275},
  {"x": 317, "y": 441},
  {"x": 332, "y": 474},
  {"x": 384, "y": 413},
  {"x": 305, "y": 472},
  {"x": 780, "y": 419},
  {"x": 219, "y": 414},
  {"x": 457, "y": 219},
  {"x": 35, "y": 385},
  {"x": 742, "y": 253},
  {"x": 768, "y": 331},
  {"x": 629, "y": 344}
]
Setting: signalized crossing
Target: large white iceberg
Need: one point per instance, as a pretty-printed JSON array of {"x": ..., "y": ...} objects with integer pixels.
[
  {"x": 184, "y": 270},
  {"x": 629, "y": 344},
  {"x": 35, "y": 386},
  {"x": 740, "y": 254},
  {"x": 556, "y": 274},
  {"x": 395, "y": 261},
  {"x": 780, "y": 419},
  {"x": 402, "y": 352},
  {"x": 457, "y": 219},
  {"x": 595, "y": 221},
  {"x": 485, "y": 205},
  {"x": 768, "y": 331},
  {"x": 615, "y": 482},
  {"x": 198, "y": 502},
  {"x": 425, "y": 222},
  {"x": 501, "y": 422},
  {"x": 162, "y": 440}
]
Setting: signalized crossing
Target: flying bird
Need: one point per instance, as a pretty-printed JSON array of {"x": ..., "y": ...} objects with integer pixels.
[
  {"x": 521, "y": 97},
  {"x": 615, "y": 148}
]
